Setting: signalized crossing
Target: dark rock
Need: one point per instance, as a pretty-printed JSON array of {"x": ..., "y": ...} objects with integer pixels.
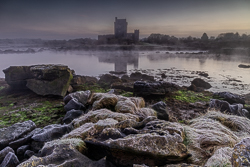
[
  {"x": 72, "y": 114},
  {"x": 50, "y": 79},
  {"x": 4, "y": 152},
  {"x": 80, "y": 96},
  {"x": 160, "y": 108},
  {"x": 192, "y": 87},
  {"x": 230, "y": 97},
  {"x": 224, "y": 106},
  {"x": 21, "y": 150},
  {"x": 241, "y": 153},
  {"x": 81, "y": 80},
  {"x": 128, "y": 87},
  {"x": 129, "y": 131},
  {"x": 137, "y": 76},
  {"x": 160, "y": 88},
  {"x": 23, "y": 139},
  {"x": 28, "y": 153},
  {"x": 16, "y": 76},
  {"x": 202, "y": 73},
  {"x": 243, "y": 66},
  {"x": 125, "y": 78},
  {"x": 36, "y": 145},
  {"x": 51, "y": 132},
  {"x": 198, "y": 82},
  {"x": 106, "y": 80},
  {"x": 74, "y": 104},
  {"x": 14, "y": 132},
  {"x": 10, "y": 160}
]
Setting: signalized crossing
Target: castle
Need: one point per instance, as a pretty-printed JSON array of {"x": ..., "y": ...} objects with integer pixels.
[{"x": 120, "y": 35}]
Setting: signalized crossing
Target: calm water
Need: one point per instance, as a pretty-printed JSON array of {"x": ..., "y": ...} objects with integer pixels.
[{"x": 224, "y": 74}]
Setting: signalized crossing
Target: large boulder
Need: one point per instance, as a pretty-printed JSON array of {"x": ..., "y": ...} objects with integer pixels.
[
  {"x": 16, "y": 76},
  {"x": 150, "y": 149},
  {"x": 198, "y": 82},
  {"x": 230, "y": 97},
  {"x": 212, "y": 131},
  {"x": 47, "y": 79},
  {"x": 50, "y": 79},
  {"x": 147, "y": 89},
  {"x": 14, "y": 132}
]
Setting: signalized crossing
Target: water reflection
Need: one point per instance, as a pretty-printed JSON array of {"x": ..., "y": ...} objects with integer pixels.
[{"x": 121, "y": 60}]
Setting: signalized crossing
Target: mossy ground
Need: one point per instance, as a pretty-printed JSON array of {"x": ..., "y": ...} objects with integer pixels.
[
  {"x": 18, "y": 106},
  {"x": 192, "y": 97}
]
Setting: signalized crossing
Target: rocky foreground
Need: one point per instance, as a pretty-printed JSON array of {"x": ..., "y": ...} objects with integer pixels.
[{"x": 159, "y": 124}]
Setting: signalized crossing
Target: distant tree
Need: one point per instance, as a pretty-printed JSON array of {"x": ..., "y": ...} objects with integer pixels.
[{"x": 204, "y": 37}]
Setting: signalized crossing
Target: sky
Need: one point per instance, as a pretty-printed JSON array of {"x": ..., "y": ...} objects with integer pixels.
[{"x": 70, "y": 19}]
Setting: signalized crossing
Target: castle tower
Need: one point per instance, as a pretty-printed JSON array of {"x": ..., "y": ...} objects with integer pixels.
[
  {"x": 136, "y": 36},
  {"x": 120, "y": 28}
]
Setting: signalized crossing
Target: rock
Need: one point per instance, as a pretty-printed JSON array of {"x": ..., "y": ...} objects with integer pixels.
[
  {"x": 103, "y": 100},
  {"x": 198, "y": 82},
  {"x": 150, "y": 149},
  {"x": 106, "y": 80},
  {"x": 4, "y": 152},
  {"x": 23, "y": 139},
  {"x": 16, "y": 76},
  {"x": 14, "y": 132},
  {"x": 160, "y": 108},
  {"x": 90, "y": 129},
  {"x": 111, "y": 133},
  {"x": 241, "y": 153},
  {"x": 192, "y": 87},
  {"x": 95, "y": 116},
  {"x": 230, "y": 97},
  {"x": 137, "y": 76},
  {"x": 224, "y": 106},
  {"x": 147, "y": 89},
  {"x": 81, "y": 80},
  {"x": 125, "y": 78},
  {"x": 212, "y": 131},
  {"x": 80, "y": 96},
  {"x": 51, "y": 132},
  {"x": 50, "y": 79},
  {"x": 128, "y": 87},
  {"x": 28, "y": 153},
  {"x": 21, "y": 150},
  {"x": 71, "y": 115},
  {"x": 73, "y": 104},
  {"x": 221, "y": 157},
  {"x": 202, "y": 73},
  {"x": 243, "y": 66},
  {"x": 63, "y": 155},
  {"x": 10, "y": 160}
]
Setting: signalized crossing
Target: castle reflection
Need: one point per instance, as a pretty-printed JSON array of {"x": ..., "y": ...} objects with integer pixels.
[{"x": 121, "y": 60}]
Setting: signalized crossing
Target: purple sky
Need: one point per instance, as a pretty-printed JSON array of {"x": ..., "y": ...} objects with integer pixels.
[{"x": 69, "y": 19}]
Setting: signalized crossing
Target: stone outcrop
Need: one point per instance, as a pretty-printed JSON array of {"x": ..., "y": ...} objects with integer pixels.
[
  {"x": 224, "y": 106},
  {"x": 230, "y": 97},
  {"x": 42, "y": 79},
  {"x": 146, "y": 89},
  {"x": 198, "y": 82}
]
